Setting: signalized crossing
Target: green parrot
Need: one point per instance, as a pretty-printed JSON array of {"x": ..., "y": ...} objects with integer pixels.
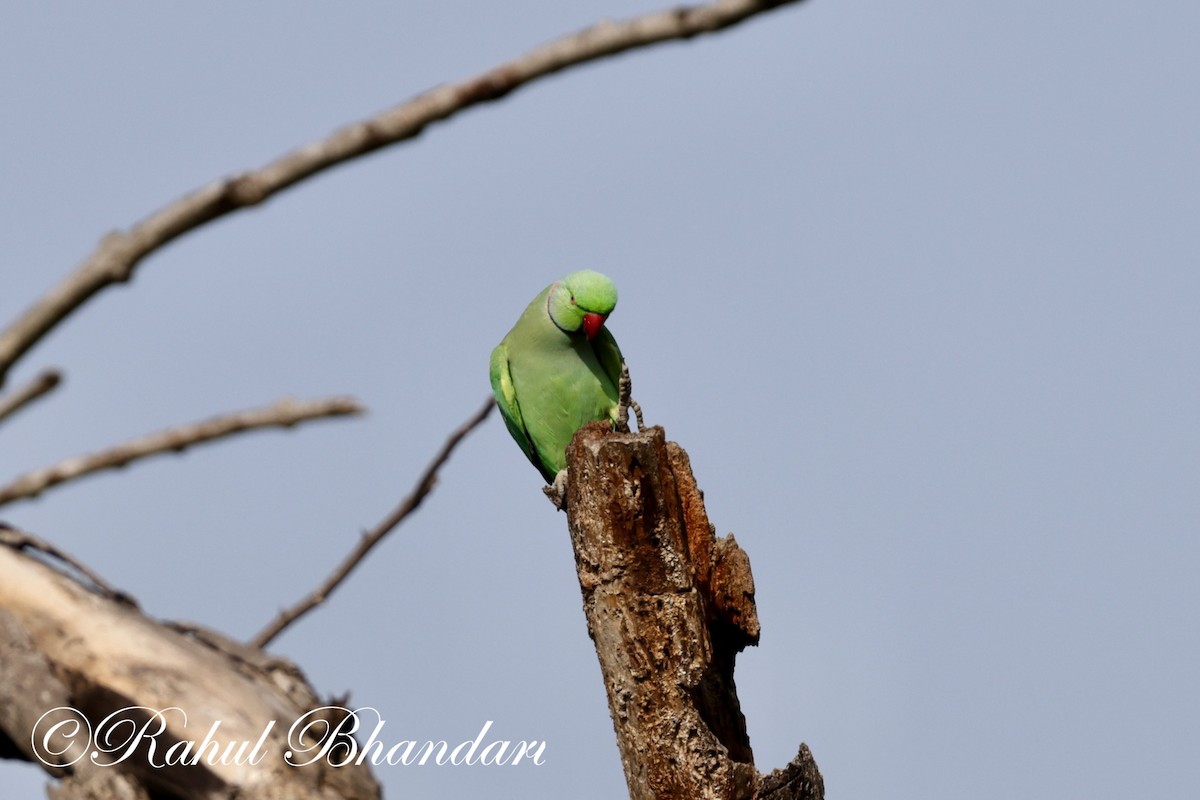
[{"x": 559, "y": 368}]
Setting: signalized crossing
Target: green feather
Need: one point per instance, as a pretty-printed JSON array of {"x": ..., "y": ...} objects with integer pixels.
[{"x": 549, "y": 378}]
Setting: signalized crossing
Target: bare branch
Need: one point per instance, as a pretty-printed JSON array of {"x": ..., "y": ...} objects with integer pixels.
[
  {"x": 119, "y": 253},
  {"x": 87, "y": 659},
  {"x": 21, "y": 540},
  {"x": 371, "y": 538},
  {"x": 43, "y": 384},
  {"x": 284, "y": 413}
]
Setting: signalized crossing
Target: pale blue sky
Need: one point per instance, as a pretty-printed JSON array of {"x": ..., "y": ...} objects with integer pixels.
[{"x": 915, "y": 286}]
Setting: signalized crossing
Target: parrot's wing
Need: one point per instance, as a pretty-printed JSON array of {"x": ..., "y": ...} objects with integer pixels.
[{"x": 506, "y": 399}]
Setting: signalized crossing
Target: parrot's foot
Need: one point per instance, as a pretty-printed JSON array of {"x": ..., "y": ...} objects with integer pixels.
[
  {"x": 557, "y": 491},
  {"x": 627, "y": 402},
  {"x": 637, "y": 412}
]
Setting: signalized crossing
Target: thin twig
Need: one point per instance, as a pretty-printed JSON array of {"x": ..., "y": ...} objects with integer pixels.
[
  {"x": 14, "y": 401},
  {"x": 284, "y": 413},
  {"x": 120, "y": 252},
  {"x": 23, "y": 540},
  {"x": 371, "y": 538}
]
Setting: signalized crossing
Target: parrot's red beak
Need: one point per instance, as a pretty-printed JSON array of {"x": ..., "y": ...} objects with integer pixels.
[{"x": 592, "y": 323}]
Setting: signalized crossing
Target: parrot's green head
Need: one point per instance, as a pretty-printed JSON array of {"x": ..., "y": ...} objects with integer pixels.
[{"x": 581, "y": 301}]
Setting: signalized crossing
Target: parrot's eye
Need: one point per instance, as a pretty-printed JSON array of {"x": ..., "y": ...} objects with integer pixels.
[{"x": 572, "y": 299}]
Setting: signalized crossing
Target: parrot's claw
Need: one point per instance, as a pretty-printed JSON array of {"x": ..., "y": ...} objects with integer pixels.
[
  {"x": 557, "y": 491},
  {"x": 627, "y": 402}
]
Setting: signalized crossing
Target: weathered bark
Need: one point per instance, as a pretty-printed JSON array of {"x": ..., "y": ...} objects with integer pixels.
[
  {"x": 669, "y": 606},
  {"x": 64, "y": 646}
]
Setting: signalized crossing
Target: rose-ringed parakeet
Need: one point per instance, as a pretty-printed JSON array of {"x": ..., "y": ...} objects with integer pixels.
[{"x": 559, "y": 368}]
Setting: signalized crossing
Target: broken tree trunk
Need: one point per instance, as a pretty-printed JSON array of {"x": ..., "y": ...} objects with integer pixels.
[{"x": 669, "y": 606}]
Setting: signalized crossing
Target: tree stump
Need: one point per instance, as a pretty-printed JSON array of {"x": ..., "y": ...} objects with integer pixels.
[{"x": 669, "y": 606}]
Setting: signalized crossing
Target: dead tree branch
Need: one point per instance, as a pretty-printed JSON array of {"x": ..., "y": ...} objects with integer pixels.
[
  {"x": 119, "y": 252},
  {"x": 371, "y": 538},
  {"x": 74, "y": 658},
  {"x": 20, "y": 540},
  {"x": 43, "y": 384},
  {"x": 284, "y": 413},
  {"x": 669, "y": 607}
]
